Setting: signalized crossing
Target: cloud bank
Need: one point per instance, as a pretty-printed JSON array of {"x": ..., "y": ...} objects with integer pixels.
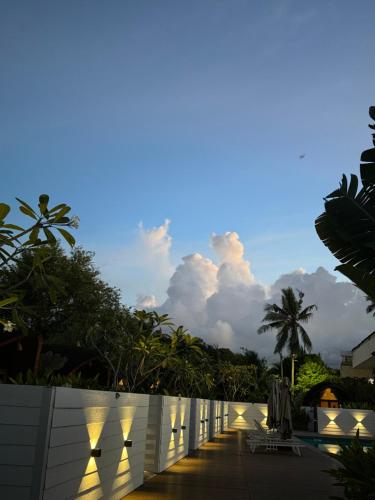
[{"x": 223, "y": 303}]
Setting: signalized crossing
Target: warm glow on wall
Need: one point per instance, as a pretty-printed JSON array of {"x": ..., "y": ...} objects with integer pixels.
[
  {"x": 95, "y": 418},
  {"x": 127, "y": 421},
  {"x": 331, "y": 414},
  {"x": 90, "y": 479},
  {"x": 240, "y": 410}
]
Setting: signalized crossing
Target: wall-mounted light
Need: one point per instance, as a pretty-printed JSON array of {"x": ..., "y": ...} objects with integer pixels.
[
  {"x": 206, "y": 420},
  {"x": 202, "y": 421},
  {"x": 183, "y": 427},
  {"x": 96, "y": 452},
  {"x": 128, "y": 443},
  {"x": 174, "y": 430}
]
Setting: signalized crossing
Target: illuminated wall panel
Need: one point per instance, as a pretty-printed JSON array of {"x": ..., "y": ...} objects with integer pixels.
[
  {"x": 225, "y": 413},
  {"x": 167, "y": 432},
  {"x": 199, "y": 422},
  {"x": 242, "y": 415},
  {"x": 216, "y": 416},
  {"x": 83, "y": 420},
  {"x": 50, "y": 433},
  {"x": 345, "y": 422}
]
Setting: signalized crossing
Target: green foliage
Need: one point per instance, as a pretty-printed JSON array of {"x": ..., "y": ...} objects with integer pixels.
[
  {"x": 358, "y": 391},
  {"x": 238, "y": 381},
  {"x": 15, "y": 240},
  {"x": 311, "y": 373},
  {"x": 141, "y": 351},
  {"x": 347, "y": 227},
  {"x": 287, "y": 320},
  {"x": 74, "y": 380},
  {"x": 358, "y": 405},
  {"x": 81, "y": 303},
  {"x": 357, "y": 471}
]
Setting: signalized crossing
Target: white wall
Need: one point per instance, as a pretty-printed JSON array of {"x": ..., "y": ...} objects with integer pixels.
[
  {"x": 199, "y": 422},
  {"x": 362, "y": 354},
  {"x": 242, "y": 415},
  {"x": 83, "y": 420},
  {"x": 345, "y": 422},
  {"x": 46, "y": 437},
  {"x": 216, "y": 416},
  {"x": 225, "y": 413},
  {"x": 165, "y": 447},
  {"x": 24, "y": 414}
]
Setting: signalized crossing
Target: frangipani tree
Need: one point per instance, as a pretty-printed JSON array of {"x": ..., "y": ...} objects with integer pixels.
[{"x": 15, "y": 240}]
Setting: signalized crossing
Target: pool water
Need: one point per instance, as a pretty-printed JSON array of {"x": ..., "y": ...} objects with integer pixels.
[{"x": 331, "y": 444}]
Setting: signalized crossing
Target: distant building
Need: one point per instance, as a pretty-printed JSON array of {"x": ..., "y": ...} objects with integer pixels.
[
  {"x": 360, "y": 361},
  {"x": 326, "y": 395}
]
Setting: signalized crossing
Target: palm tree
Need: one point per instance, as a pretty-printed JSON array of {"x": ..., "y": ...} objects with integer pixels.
[
  {"x": 287, "y": 321},
  {"x": 347, "y": 226}
]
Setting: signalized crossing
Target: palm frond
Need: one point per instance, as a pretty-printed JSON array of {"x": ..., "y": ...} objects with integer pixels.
[
  {"x": 282, "y": 338},
  {"x": 305, "y": 339}
]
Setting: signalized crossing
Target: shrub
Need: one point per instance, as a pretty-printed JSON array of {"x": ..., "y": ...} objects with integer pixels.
[{"x": 357, "y": 472}]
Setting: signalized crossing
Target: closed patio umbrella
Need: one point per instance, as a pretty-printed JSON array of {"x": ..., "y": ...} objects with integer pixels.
[
  {"x": 273, "y": 416},
  {"x": 286, "y": 428}
]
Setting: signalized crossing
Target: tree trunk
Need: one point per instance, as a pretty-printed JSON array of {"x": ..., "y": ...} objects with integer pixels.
[
  {"x": 10, "y": 341},
  {"x": 281, "y": 366},
  {"x": 38, "y": 354},
  {"x": 293, "y": 360}
]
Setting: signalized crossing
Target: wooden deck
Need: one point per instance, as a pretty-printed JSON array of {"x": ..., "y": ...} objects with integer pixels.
[{"x": 225, "y": 469}]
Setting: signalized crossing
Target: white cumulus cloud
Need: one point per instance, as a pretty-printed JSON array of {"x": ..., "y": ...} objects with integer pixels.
[
  {"x": 145, "y": 264},
  {"x": 224, "y": 304}
]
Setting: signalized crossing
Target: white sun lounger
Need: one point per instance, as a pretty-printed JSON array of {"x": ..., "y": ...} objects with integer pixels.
[
  {"x": 274, "y": 444},
  {"x": 271, "y": 441}
]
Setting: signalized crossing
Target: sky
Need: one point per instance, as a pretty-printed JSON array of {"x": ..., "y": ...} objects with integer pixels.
[{"x": 166, "y": 123}]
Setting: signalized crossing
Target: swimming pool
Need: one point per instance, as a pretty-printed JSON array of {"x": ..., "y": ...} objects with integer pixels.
[{"x": 331, "y": 444}]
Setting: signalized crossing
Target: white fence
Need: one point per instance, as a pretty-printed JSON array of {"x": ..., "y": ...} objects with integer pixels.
[
  {"x": 47, "y": 438},
  {"x": 216, "y": 415},
  {"x": 242, "y": 415},
  {"x": 167, "y": 432},
  {"x": 199, "y": 423},
  {"x": 85, "y": 420},
  {"x": 225, "y": 416},
  {"x": 346, "y": 422},
  {"x": 22, "y": 441}
]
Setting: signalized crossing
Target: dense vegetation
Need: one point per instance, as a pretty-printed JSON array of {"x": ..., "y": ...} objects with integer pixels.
[{"x": 83, "y": 328}]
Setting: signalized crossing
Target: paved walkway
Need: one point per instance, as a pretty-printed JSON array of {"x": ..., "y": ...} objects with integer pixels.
[{"x": 225, "y": 469}]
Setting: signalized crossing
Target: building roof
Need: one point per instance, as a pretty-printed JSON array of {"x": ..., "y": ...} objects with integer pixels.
[
  {"x": 315, "y": 392},
  {"x": 364, "y": 340}
]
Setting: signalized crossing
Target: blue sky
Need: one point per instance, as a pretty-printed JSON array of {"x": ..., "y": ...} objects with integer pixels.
[{"x": 193, "y": 111}]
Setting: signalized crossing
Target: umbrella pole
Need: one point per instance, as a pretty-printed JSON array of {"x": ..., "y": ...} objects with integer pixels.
[{"x": 281, "y": 366}]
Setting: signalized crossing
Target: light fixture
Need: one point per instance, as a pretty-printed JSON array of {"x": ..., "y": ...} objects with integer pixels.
[
  {"x": 174, "y": 430},
  {"x": 202, "y": 421},
  {"x": 96, "y": 452},
  {"x": 183, "y": 427},
  {"x": 206, "y": 419},
  {"x": 128, "y": 443}
]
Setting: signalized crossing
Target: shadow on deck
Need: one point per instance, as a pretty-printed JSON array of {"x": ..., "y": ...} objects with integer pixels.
[{"x": 225, "y": 469}]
